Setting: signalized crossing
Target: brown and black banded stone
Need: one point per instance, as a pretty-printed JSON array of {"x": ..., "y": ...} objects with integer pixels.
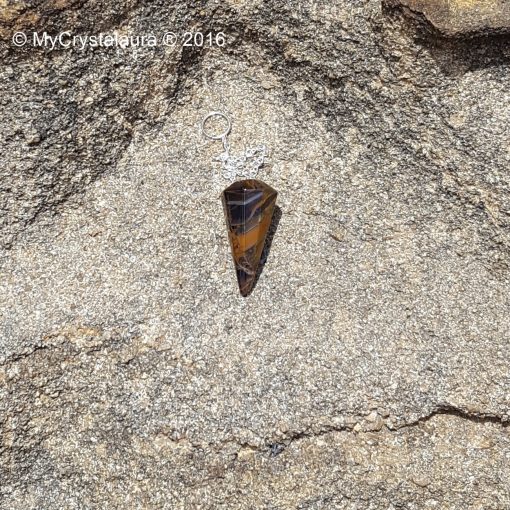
[{"x": 249, "y": 207}]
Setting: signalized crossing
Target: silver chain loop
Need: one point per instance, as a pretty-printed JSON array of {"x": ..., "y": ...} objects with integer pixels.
[{"x": 245, "y": 165}]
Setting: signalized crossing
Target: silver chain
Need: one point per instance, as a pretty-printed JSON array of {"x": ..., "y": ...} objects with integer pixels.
[{"x": 245, "y": 165}]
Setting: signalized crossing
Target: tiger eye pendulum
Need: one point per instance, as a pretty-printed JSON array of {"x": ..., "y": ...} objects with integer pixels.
[{"x": 248, "y": 205}]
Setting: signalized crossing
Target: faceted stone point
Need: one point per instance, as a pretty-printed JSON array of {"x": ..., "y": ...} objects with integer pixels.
[{"x": 249, "y": 207}]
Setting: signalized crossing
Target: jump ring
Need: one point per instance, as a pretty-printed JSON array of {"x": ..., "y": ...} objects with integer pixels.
[{"x": 221, "y": 136}]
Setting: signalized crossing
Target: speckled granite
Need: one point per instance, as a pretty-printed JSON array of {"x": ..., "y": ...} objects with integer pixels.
[{"x": 368, "y": 369}]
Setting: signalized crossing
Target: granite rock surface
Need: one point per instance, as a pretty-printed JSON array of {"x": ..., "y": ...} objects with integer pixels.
[
  {"x": 459, "y": 18},
  {"x": 369, "y": 367}
]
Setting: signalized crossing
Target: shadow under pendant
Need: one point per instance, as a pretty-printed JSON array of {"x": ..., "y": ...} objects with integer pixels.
[{"x": 249, "y": 207}]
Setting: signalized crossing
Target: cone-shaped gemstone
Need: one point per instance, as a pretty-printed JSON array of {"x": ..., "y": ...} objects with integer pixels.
[{"x": 249, "y": 207}]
